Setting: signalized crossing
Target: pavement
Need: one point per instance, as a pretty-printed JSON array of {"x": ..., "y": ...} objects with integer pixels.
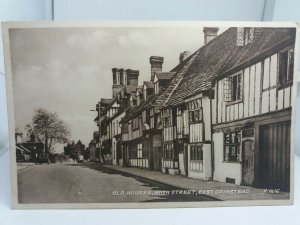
[
  {"x": 25, "y": 165},
  {"x": 214, "y": 189}
]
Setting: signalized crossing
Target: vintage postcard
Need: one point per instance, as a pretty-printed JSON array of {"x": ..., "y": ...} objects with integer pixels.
[{"x": 151, "y": 114}]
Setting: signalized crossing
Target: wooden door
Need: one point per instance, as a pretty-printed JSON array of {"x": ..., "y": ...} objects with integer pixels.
[
  {"x": 119, "y": 152},
  {"x": 274, "y": 156},
  {"x": 247, "y": 162},
  {"x": 186, "y": 160},
  {"x": 157, "y": 158}
]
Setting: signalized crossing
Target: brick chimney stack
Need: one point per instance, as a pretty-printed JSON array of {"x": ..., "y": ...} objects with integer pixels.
[
  {"x": 183, "y": 56},
  {"x": 210, "y": 33},
  {"x": 122, "y": 77},
  {"x": 156, "y": 65}
]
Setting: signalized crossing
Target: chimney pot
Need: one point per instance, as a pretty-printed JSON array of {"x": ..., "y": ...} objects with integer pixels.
[
  {"x": 156, "y": 65},
  {"x": 210, "y": 33},
  {"x": 183, "y": 56}
]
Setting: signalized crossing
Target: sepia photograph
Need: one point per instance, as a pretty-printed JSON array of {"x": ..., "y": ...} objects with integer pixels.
[{"x": 151, "y": 114}]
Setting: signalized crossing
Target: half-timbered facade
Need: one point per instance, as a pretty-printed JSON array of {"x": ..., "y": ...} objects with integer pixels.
[
  {"x": 252, "y": 125},
  {"x": 111, "y": 111},
  {"x": 223, "y": 113},
  {"x": 117, "y": 151},
  {"x": 144, "y": 122},
  {"x": 234, "y": 108}
]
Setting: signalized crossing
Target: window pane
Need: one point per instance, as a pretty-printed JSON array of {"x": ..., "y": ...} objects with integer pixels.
[
  {"x": 196, "y": 115},
  {"x": 226, "y": 153},
  {"x": 291, "y": 66},
  {"x": 283, "y": 59},
  {"x": 232, "y": 137},
  {"x": 199, "y": 103},
  {"x": 239, "y": 87},
  {"x": 232, "y": 153},
  {"x": 227, "y": 138},
  {"x": 234, "y": 88},
  {"x": 238, "y": 153}
]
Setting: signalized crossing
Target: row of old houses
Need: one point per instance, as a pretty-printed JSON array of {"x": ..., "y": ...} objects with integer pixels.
[{"x": 223, "y": 113}]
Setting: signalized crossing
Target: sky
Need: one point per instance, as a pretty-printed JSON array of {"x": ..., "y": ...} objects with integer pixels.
[{"x": 68, "y": 70}]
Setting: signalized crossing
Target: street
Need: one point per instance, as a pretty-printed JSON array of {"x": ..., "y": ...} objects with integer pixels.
[{"x": 87, "y": 183}]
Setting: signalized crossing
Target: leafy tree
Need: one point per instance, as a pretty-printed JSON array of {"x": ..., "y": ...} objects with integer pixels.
[
  {"x": 79, "y": 147},
  {"x": 48, "y": 128}
]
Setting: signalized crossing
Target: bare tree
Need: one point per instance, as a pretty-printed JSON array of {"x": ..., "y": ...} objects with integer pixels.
[{"x": 48, "y": 128}]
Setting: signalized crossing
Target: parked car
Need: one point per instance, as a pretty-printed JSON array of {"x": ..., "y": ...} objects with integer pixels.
[{"x": 80, "y": 159}]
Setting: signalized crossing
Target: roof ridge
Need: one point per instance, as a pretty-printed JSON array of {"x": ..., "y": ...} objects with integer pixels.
[{"x": 184, "y": 70}]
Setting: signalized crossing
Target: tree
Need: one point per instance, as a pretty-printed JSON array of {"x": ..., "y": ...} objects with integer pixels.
[{"x": 48, "y": 128}]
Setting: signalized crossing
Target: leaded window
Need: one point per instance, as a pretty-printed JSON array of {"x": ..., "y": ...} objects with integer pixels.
[
  {"x": 286, "y": 67},
  {"x": 195, "y": 111},
  {"x": 168, "y": 151},
  {"x": 232, "y": 146},
  {"x": 233, "y": 88},
  {"x": 196, "y": 152}
]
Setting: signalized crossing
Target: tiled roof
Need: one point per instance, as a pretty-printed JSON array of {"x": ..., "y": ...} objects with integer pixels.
[
  {"x": 218, "y": 57},
  {"x": 106, "y": 100},
  {"x": 140, "y": 89},
  {"x": 157, "y": 100},
  {"x": 149, "y": 84},
  {"x": 164, "y": 75},
  {"x": 134, "y": 111},
  {"x": 130, "y": 88},
  {"x": 222, "y": 56}
]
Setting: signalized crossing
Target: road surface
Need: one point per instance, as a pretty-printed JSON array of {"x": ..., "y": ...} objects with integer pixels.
[{"x": 82, "y": 183}]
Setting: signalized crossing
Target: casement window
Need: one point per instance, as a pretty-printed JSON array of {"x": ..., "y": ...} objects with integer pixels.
[
  {"x": 146, "y": 116},
  {"x": 135, "y": 123},
  {"x": 232, "y": 146},
  {"x": 151, "y": 116},
  {"x": 233, "y": 88},
  {"x": 195, "y": 111},
  {"x": 140, "y": 150},
  {"x": 167, "y": 117},
  {"x": 196, "y": 152},
  {"x": 113, "y": 128},
  {"x": 168, "y": 151},
  {"x": 179, "y": 111},
  {"x": 125, "y": 128},
  {"x": 132, "y": 151},
  {"x": 134, "y": 102},
  {"x": 158, "y": 121},
  {"x": 286, "y": 67}
]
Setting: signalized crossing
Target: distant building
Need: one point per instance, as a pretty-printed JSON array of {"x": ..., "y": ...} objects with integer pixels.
[{"x": 28, "y": 149}]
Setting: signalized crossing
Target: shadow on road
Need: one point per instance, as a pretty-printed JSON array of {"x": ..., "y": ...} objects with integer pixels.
[{"x": 156, "y": 187}]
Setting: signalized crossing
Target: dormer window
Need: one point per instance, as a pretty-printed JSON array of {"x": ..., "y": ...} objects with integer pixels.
[{"x": 245, "y": 35}]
